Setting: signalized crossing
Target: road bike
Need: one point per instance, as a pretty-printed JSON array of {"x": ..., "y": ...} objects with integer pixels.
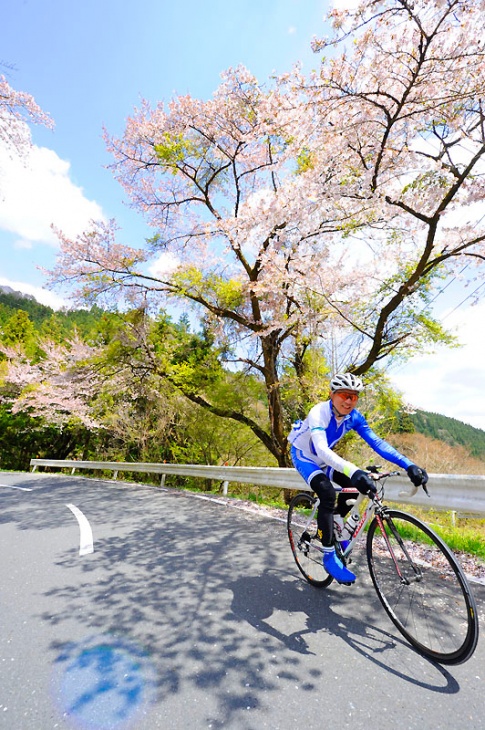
[{"x": 417, "y": 577}]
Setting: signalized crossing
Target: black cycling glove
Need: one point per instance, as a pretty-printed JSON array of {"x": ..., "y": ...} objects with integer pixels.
[
  {"x": 417, "y": 475},
  {"x": 363, "y": 482}
]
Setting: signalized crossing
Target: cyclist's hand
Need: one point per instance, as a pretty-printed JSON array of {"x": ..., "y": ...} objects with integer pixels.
[
  {"x": 417, "y": 475},
  {"x": 363, "y": 482}
]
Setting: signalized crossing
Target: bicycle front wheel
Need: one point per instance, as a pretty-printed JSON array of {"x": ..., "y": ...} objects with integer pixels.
[
  {"x": 422, "y": 587},
  {"x": 304, "y": 542}
]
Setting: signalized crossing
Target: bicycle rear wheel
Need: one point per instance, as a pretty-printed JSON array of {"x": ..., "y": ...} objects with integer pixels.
[
  {"x": 304, "y": 542},
  {"x": 422, "y": 587}
]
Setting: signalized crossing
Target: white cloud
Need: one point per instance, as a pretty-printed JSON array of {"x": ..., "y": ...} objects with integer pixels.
[
  {"x": 37, "y": 191},
  {"x": 41, "y": 295},
  {"x": 166, "y": 263},
  {"x": 450, "y": 382}
]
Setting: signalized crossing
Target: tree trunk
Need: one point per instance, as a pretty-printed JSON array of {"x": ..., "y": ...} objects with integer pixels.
[{"x": 271, "y": 349}]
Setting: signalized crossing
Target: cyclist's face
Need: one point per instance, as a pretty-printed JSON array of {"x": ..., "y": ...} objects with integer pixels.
[{"x": 344, "y": 401}]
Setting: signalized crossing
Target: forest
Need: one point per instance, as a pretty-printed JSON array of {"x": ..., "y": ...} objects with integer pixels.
[
  {"x": 450, "y": 431},
  {"x": 100, "y": 385},
  {"x": 94, "y": 384}
]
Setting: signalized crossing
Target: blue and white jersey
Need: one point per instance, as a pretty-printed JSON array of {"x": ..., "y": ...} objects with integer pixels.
[{"x": 317, "y": 435}]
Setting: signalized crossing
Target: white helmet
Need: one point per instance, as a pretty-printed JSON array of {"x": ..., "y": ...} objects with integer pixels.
[{"x": 346, "y": 381}]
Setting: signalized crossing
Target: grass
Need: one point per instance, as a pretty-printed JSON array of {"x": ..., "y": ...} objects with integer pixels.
[{"x": 461, "y": 534}]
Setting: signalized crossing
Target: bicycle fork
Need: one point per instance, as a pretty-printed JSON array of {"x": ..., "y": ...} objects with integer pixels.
[{"x": 417, "y": 572}]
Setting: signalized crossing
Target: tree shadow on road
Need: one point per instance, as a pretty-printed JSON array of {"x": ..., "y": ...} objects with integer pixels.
[
  {"x": 327, "y": 611},
  {"x": 210, "y": 602}
]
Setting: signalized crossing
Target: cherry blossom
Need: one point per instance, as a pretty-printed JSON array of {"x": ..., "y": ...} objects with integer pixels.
[
  {"x": 59, "y": 388},
  {"x": 17, "y": 108},
  {"x": 309, "y": 211}
]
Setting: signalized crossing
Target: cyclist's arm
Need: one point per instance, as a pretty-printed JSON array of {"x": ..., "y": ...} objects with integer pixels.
[{"x": 380, "y": 446}]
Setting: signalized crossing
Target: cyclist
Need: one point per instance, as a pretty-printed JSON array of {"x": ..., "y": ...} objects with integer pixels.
[{"x": 312, "y": 441}]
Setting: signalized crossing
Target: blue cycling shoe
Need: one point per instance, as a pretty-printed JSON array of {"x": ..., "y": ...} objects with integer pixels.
[{"x": 334, "y": 567}]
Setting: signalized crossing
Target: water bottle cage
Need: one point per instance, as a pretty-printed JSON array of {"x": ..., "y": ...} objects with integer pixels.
[{"x": 350, "y": 526}]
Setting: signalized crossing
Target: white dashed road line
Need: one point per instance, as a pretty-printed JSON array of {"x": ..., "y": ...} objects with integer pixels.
[
  {"x": 86, "y": 545},
  {"x": 22, "y": 489}
]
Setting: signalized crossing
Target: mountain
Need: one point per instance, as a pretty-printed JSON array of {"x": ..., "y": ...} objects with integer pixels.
[
  {"x": 17, "y": 294},
  {"x": 83, "y": 319},
  {"x": 11, "y": 301},
  {"x": 451, "y": 431}
]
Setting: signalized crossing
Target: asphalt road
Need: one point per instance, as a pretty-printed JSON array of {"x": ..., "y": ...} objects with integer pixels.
[{"x": 124, "y": 606}]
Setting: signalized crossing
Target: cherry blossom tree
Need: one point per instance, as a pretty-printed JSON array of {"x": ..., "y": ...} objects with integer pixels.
[
  {"x": 404, "y": 100},
  {"x": 59, "y": 387},
  {"x": 16, "y": 109},
  {"x": 313, "y": 210},
  {"x": 229, "y": 214}
]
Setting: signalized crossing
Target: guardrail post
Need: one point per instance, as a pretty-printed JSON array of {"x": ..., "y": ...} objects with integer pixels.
[
  {"x": 115, "y": 475},
  {"x": 225, "y": 486},
  {"x": 162, "y": 480},
  {"x": 73, "y": 470}
]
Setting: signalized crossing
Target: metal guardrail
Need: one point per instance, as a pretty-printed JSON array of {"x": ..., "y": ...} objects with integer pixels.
[{"x": 454, "y": 492}]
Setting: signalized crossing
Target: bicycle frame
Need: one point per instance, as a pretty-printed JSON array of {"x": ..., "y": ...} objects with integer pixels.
[
  {"x": 366, "y": 517},
  {"x": 374, "y": 507},
  {"x": 377, "y": 508}
]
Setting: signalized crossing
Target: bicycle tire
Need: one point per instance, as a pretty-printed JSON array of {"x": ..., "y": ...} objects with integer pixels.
[
  {"x": 304, "y": 542},
  {"x": 432, "y": 605}
]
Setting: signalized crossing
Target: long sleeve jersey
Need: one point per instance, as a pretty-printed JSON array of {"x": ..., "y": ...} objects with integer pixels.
[{"x": 317, "y": 435}]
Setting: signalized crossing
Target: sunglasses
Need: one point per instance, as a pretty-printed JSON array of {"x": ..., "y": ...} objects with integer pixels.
[{"x": 345, "y": 395}]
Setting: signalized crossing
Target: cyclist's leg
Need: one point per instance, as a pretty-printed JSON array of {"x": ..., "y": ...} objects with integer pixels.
[
  {"x": 343, "y": 481},
  {"x": 322, "y": 486}
]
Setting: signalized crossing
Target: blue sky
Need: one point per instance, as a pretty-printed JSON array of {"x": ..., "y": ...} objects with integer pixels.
[{"x": 89, "y": 63}]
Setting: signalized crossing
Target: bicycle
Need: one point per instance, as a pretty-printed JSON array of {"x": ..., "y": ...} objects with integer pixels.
[{"x": 418, "y": 579}]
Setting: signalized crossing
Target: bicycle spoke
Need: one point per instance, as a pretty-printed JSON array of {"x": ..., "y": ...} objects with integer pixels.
[
  {"x": 302, "y": 533},
  {"x": 422, "y": 587}
]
